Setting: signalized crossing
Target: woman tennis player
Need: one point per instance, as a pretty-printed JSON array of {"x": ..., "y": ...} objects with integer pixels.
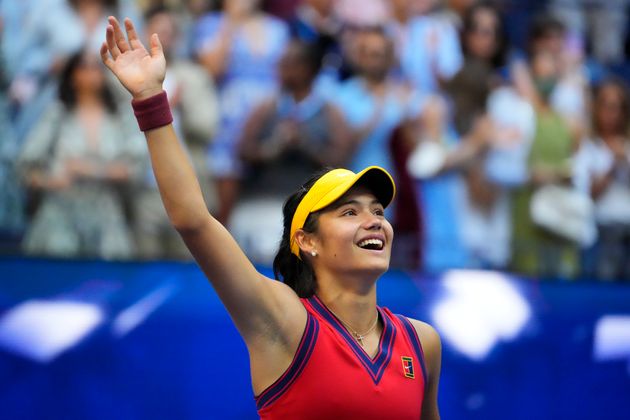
[{"x": 319, "y": 346}]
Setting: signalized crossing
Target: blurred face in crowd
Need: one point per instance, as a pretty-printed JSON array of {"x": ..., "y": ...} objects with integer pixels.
[
  {"x": 374, "y": 54},
  {"x": 481, "y": 38},
  {"x": 611, "y": 109},
  {"x": 164, "y": 25},
  {"x": 293, "y": 69},
  {"x": 88, "y": 75}
]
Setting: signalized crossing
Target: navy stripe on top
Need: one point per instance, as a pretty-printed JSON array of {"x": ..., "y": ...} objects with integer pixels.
[
  {"x": 412, "y": 334},
  {"x": 375, "y": 367},
  {"x": 302, "y": 355}
]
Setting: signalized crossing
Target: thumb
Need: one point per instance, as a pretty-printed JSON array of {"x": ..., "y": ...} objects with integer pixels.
[{"x": 156, "y": 46}]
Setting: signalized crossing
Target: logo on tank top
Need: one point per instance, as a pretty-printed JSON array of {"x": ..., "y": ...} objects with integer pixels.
[{"x": 408, "y": 370}]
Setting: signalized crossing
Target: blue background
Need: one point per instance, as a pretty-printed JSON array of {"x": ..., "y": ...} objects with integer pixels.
[{"x": 187, "y": 361}]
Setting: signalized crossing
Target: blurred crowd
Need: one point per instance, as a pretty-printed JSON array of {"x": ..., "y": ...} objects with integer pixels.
[{"x": 506, "y": 125}]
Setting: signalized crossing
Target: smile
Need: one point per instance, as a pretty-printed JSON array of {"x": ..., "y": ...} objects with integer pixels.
[{"x": 373, "y": 243}]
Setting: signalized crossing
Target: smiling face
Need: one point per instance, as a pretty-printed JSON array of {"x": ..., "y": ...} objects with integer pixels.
[{"x": 353, "y": 236}]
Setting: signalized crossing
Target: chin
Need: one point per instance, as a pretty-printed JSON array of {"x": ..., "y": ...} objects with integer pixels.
[{"x": 375, "y": 267}]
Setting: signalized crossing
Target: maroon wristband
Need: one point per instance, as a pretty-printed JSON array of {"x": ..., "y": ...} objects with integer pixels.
[{"x": 152, "y": 112}]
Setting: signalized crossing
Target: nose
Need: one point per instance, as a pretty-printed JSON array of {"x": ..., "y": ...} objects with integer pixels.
[{"x": 373, "y": 222}]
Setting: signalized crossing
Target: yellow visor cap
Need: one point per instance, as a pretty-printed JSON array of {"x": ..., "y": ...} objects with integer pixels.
[{"x": 335, "y": 183}]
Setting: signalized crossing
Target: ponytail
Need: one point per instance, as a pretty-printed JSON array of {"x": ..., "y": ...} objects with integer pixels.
[{"x": 297, "y": 273}]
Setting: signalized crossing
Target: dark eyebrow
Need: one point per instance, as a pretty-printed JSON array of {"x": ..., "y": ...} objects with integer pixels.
[{"x": 354, "y": 202}]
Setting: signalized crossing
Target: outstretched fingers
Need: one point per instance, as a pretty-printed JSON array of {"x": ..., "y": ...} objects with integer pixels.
[
  {"x": 156, "y": 46},
  {"x": 106, "y": 56},
  {"x": 132, "y": 35},
  {"x": 119, "y": 36},
  {"x": 111, "y": 42}
]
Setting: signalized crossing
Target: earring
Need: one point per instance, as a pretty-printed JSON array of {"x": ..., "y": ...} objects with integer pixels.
[{"x": 314, "y": 253}]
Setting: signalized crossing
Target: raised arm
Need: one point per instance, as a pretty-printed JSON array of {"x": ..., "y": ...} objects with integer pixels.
[{"x": 267, "y": 313}]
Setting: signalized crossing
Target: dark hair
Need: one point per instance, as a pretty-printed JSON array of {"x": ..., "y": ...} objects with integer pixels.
[
  {"x": 67, "y": 93},
  {"x": 110, "y": 4},
  {"x": 498, "y": 59},
  {"x": 541, "y": 26},
  {"x": 297, "y": 273},
  {"x": 159, "y": 9}
]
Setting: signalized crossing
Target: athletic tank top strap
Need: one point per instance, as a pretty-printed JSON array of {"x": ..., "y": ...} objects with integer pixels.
[{"x": 411, "y": 335}]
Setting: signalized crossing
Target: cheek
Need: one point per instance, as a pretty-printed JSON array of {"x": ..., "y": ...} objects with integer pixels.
[
  {"x": 337, "y": 240},
  {"x": 389, "y": 232}
]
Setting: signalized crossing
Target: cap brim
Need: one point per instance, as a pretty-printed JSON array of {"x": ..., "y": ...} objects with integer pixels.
[{"x": 374, "y": 178}]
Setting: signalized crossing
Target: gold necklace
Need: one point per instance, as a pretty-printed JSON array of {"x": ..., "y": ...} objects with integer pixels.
[{"x": 359, "y": 337}]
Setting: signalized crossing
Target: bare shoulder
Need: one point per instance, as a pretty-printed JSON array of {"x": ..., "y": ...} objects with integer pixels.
[{"x": 281, "y": 289}]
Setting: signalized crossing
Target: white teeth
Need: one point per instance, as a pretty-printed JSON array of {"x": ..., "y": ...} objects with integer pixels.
[{"x": 377, "y": 242}]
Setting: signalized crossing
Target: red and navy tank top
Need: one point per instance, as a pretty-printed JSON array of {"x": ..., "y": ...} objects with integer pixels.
[{"x": 331, "y": 375}]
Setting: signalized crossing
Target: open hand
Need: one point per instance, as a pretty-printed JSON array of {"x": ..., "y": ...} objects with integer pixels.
[{"x": 140, "y": 71}]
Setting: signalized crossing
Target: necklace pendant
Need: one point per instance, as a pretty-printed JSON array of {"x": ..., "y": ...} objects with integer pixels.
[{"x": 359, "y": 338}]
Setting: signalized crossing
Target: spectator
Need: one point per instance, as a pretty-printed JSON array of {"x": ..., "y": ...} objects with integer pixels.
[
  {"x": 484, "y": 51},
  {"x": 604, "y": 22},
  {"x": 538, "y": 251},
  {"x": 456, "y": 10},
  {"x": 603, "y": 171},
  {"x": 429, "y": 49},
  {"x": 195, "y": 110},
  {"x": 315, "y": 21},
  {"x": 549, "y": 36},
  {"x": 35, "y": 51},
  {"x": 11, "y": 196},
  {"x": 239, "y": 47},
  {"x": 77, "y": 155},
  {"x": 188, "y": 15},
  {"x": 287, "y": 138},
  {"x": 284, "y": 9},
  {"x": 373, "y": 104},
  {"x": 93, "y": 17},
  {"x": 362, "y": 12},
  {"x": 437, "y": 161},
  {"x": 485, "y": 223}
]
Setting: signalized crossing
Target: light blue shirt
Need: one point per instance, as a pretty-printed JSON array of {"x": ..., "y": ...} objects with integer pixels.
[
  {"x": 249, "y": 78},
  {"x": 359, "y": 106},
  {"x": 432, "y": 47},
  {"x": 37, "y": 31}
]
